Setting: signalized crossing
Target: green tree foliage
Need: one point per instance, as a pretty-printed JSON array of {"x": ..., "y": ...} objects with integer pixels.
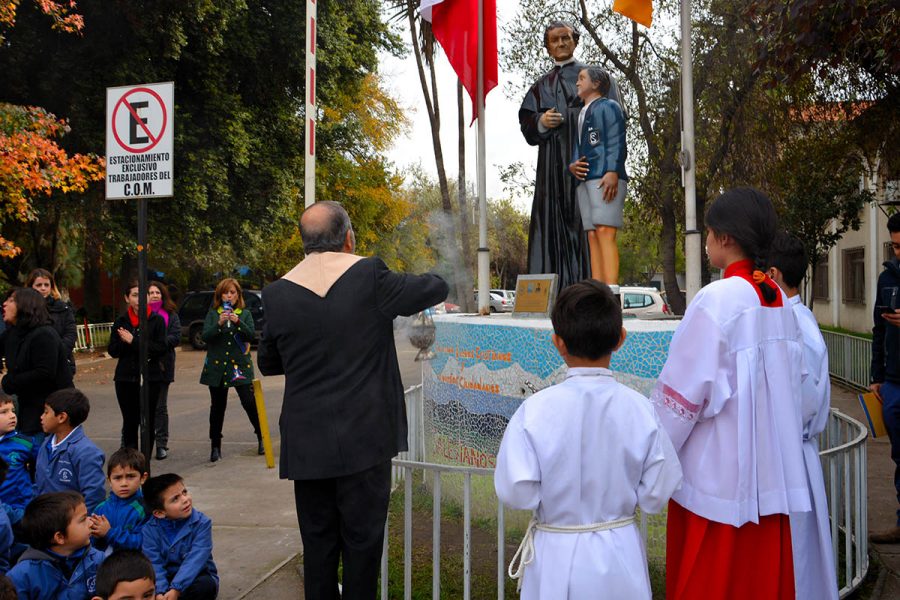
[
  {"x": 816, "y": 187},
  {"x": 238, "y": 69}
]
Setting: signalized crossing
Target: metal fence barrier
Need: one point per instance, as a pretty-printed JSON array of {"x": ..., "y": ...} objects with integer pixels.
[
  {"x": 849, "y": 358},
  {"x": 95, "y": 335},
  {"x": 843, "y": 456}
]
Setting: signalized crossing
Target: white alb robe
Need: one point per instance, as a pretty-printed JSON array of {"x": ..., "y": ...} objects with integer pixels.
[
  {"x": 586, "y": 451},
  {"x": 814, "y": 570},
  {"x": 727, "y": 398}
]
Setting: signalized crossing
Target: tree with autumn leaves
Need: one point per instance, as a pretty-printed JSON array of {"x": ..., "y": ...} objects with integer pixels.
[{"x": 32, "y": 164}]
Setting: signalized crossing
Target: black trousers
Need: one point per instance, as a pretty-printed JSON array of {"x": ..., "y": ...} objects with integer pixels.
[
  {"x": 342, "y": 519},
  {"x": 162, "y": 415},
  {"x": 203, "y": 587},
  {"x": 218, "y": 397},
  {"x": 128, "y": 393}
]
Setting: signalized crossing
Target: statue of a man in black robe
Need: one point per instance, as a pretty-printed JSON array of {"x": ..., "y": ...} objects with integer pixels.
[{"x": 548, "y": 118}]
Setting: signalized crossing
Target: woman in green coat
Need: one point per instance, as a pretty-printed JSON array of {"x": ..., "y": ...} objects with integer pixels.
[{"x": 227, "y": 332}]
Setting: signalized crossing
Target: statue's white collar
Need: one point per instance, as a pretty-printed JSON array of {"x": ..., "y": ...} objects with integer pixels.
[{"x": 564, "y": 62}]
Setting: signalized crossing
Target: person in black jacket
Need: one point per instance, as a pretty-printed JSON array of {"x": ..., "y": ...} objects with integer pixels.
[
  {"x": 124, "y": 345},
  {"x": 885, "y": 374},
  {"x": 62, "y": 317},
  {"x": 161, "y": 303},
  {"x": 329, "y": 330},
  {"x": 35, "y": 359}
]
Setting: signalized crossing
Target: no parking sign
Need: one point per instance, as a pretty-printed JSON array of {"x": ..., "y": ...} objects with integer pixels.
[{"x": 139, "y": 140}]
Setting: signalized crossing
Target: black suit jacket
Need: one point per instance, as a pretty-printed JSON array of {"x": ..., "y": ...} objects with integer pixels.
[{"x": 343, "y": 408}]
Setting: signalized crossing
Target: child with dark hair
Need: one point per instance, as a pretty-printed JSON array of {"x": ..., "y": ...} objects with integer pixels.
[
  {"x": 7, "y": 589},
  {"x": 583, "y": 455},
  {"x": 814, "y": 570},
  {"x": 727, "y": 396},
  {"x": 117, "y": 521},
  {"x": 61, "y": 564},
  {"x": 126, "y": 575},
  {"x": 178, "y": 541},
  {"x": 6, "y": 532},
  {"x": 69, "y": 460},
  {"x": 18, "y": 451}
]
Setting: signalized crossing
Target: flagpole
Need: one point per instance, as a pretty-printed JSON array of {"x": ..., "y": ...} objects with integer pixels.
[
  {"x": 688, "y": 164},
  {"x": 484, "y": 256},
  {"x": 309, "y": 175}
]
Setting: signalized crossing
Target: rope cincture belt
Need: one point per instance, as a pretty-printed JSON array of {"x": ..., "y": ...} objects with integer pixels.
[{"x": 525, "y": 552}]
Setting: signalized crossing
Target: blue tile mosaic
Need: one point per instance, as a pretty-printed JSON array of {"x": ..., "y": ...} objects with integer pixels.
[{"x": 485, "y": 366}]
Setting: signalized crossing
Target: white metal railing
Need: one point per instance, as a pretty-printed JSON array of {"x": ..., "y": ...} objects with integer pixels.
[
  {"x": 849, "y": 358},
  {"x": 843, "y": 456},
  {"x": 95, "y": 335}
]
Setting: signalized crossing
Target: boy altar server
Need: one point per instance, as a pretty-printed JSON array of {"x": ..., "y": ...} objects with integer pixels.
[
  {"x": 583, "y": 455},
  {"x": 814, "y": 572}
]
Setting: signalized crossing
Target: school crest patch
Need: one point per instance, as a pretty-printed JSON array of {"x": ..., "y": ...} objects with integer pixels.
[{"x": 594, "y": 137}]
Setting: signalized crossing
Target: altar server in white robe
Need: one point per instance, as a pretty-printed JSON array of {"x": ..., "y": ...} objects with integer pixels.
[
  {"x": 583, "y": 455},
  {"x": 814, "y": 570},
  {"x": 728, "y": 398}
]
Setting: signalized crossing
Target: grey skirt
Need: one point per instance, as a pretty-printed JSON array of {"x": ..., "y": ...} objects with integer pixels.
[{"x": 595, "y": 210}]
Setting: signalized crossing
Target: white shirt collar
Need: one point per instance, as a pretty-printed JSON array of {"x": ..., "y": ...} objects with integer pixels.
[
  {"x": 54, "y": 444},
  {"x": 588, "y": 372},
  {"x": 795, "y": 300},
  {"x": 563, "y": 63}
]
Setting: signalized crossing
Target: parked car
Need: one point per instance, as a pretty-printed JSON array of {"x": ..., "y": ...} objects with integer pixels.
[
  {"x": 195, "y": 305},
  {"x": 643, "y": 301},
  {"x": 500, "y": 300}
]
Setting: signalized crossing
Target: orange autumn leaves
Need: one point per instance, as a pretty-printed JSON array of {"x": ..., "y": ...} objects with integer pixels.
[{"x": 31, "y": 164}]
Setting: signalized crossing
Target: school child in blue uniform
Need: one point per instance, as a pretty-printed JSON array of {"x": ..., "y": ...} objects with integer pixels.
[
  {"x": 125, "y": 575},
  {"x": 6, "y": 532},
  {"x": 117, "y": 521},
  {"x": 178, "y": 541},
  {"x": 69, "y": 460},
  {"x": 61, "y": 564},
  {"x": 18, "y": 451}
]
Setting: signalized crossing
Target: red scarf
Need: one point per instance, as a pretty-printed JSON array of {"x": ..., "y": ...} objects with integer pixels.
[
  {"x": 133, "y": 317},
  {"x": 745, "y": 269}
]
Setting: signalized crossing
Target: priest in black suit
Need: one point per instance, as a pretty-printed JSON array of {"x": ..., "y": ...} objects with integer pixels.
[
  {"x": 548, "y": 119},
  {"x": 329, "y": 330}
]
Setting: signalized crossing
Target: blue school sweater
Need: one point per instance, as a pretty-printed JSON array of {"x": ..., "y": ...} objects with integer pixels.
[
  {"x": 76, "y": 464},
  {"x": 6, "y": 542},
  {"x": 45, "y": 575},
  {"x": 17, "y": 490},
  {"x": 126, "y": 518},
  {"x": 179, "y": 550}
]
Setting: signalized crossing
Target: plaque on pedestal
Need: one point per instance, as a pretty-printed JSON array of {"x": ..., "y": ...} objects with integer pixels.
[{"x": 535, "y": 295}]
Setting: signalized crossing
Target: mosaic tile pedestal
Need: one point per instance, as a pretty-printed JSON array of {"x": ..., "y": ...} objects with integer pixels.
[{"x": 485, "y": 366}]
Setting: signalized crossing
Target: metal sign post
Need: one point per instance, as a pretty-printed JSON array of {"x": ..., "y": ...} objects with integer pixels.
[{"x": 139, "y": 163}]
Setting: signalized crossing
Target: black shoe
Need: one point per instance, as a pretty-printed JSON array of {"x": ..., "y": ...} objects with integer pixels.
[
  {"x": 215, "y": 455},
  {"x": 261, "y": 449},
  {"x": 161, "y": 453}
]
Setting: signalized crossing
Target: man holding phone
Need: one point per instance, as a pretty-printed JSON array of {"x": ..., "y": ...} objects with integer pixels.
[{"x": 886, "y": 362}]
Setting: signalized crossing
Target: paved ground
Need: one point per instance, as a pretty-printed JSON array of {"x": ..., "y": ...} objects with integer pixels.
[
  {"x": 255, "y": 526},
  {"x": 257, "y": 544}
]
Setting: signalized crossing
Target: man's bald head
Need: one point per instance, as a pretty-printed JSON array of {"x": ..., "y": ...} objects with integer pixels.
[{"x": 324, "y": 227}]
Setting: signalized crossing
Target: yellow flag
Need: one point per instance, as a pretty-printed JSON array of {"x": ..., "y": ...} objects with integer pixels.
[{"x": 640, "y": 11}]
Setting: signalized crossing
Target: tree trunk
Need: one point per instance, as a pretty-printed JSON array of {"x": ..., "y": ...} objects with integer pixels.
[
  {"x": 461, "y": 283},
  {"x": 467, "y": 302},
  {"x": 93, "y": 247}
]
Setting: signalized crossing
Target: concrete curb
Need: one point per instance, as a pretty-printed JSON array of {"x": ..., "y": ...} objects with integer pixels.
[{"x": 271, "y": 572}]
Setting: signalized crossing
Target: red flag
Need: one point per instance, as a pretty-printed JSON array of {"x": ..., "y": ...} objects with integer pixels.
[
  {"x": 455, "y": 27},
  {"x": 640, "y": 11}
]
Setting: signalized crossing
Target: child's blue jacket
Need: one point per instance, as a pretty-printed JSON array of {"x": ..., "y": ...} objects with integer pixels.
[
  {"x": 40, "y": 575},
  {"x": 17, "y": 490},
  {"x": 6, "y": 542},
  {"x": 126, "y": 518},
  {"x": 76, "y": 464},
  {"x": 177, "y": 563}
]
